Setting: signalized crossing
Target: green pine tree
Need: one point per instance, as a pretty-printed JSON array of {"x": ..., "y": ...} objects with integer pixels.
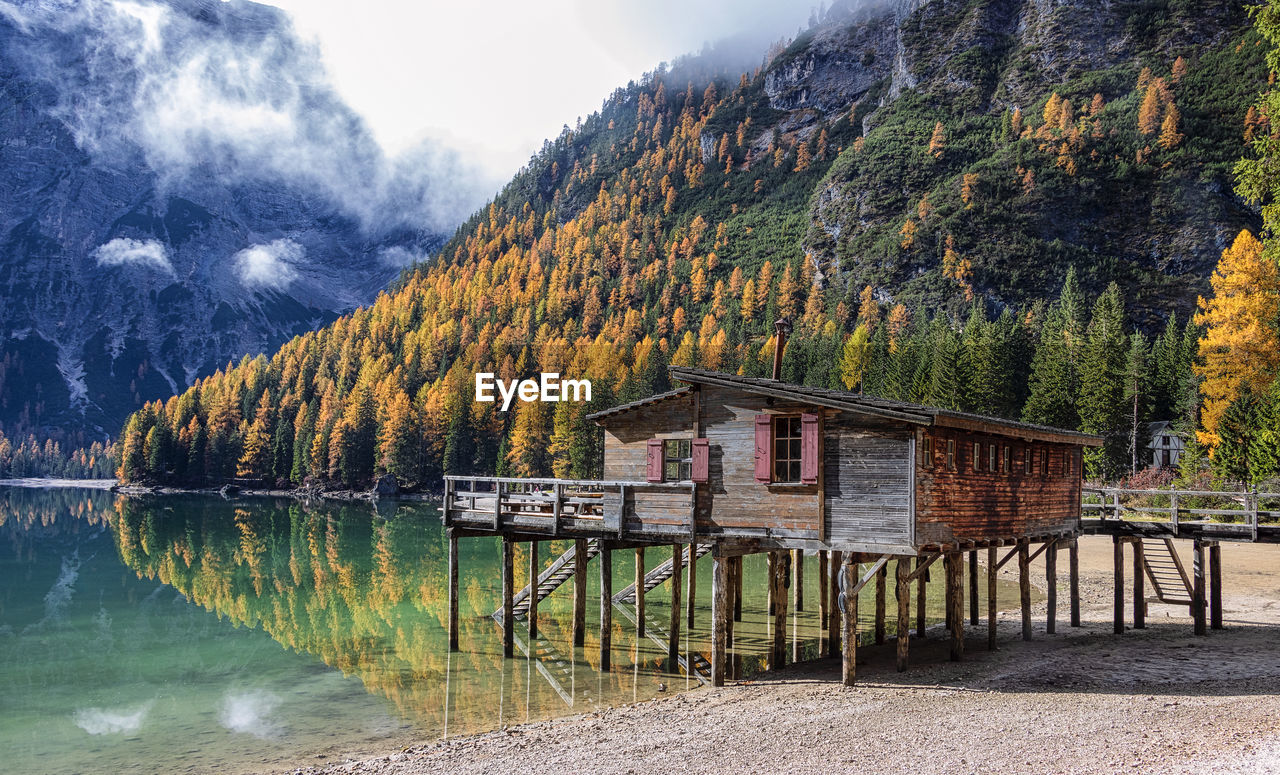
[{"x": 1102, "y": 386}]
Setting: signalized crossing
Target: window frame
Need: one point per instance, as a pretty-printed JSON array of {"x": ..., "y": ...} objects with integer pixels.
[
  {"x": 1028, "y": 460},
  {"x": 792, "y": 463},
  {"x": 977, "y": 457},
  {"x": 1044, "y": 461},
  {"x": 683, "y": 463},
  {"x": 1006, "y": 460},
  {"x": 926, "y": 453},
  {"x": 992, "y": 454},
  {"x": 951, "y": 454}
]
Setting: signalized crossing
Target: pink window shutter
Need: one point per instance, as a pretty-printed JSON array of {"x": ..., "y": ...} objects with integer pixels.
[
  {"x": 701, "y": 460},
  {"x": 653, "y": 461},
  {"x": 809, "y": 446},
  {"x": 764, "y": 448}
]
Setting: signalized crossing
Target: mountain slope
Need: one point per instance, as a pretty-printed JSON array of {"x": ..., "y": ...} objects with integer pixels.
[
  {"x": 925, "y": 162},
  {"x": 180, "y": 188}
]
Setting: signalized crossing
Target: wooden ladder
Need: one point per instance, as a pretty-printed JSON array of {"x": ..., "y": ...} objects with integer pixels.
[
  {"x": 1168, "y": 578},
  {"x": 658, "y": 575},
  {"x": 549, "y": 580}
]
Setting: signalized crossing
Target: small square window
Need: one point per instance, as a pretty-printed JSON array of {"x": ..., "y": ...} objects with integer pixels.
[
  {"x": 677, "y": 460},
  {"x": 786, "y": 449}
]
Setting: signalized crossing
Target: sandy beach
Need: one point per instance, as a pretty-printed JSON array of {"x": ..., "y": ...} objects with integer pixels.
[{"x": 1084, "y": 700}]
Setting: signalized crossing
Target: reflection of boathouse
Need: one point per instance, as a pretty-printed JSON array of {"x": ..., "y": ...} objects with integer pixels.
[{"x": 744, "y": 465}]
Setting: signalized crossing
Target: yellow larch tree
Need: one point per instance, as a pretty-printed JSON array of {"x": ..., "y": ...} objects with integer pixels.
[
  {"x": 938, "y": 141},
  {"x": 1169, "y": 134},
  {"x": 1149, "y": 113}
]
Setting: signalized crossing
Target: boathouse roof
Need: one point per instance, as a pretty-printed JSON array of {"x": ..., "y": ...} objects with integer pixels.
[{"x": 915, "y": 414}]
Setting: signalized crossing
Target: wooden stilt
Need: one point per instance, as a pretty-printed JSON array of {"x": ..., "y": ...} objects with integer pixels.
[
  {"x": 639, "y": 587},
  {"x": 904, "y": 612},
  {"x": 1197, "y": 596},
  {"x": 508, "y": 592},
  {"x": 453, "y": 590},
  {"x": 771, "y": 586},
  {"x": 719, "y": 617},
  {"x": 606, "y": 606},
  {"x": 973, "y": 588},
  {"x": 579, "y": 591},
  {"x": 955, "y": 581},
  {"x": 779, "y": 611},
  {"x": 882, "y": 579},
  {"x": 1215, "y": 586},
  {"x": 1139, "y": 594},
  {"x": 693, "y": 584},
  {"x": 673, "y": 641},
  {"x": 834, "y": 565},
  {"x": 822, "y": 590},
  {"x": 947, "y": 592},
  {"x": 991, "y": 597},
  {"x": 1024, "y": 585},
  {"x": 733, "y": 570},
  {"x": 849, "y": 636},
  {"x": 1074, "y": 572},
  {"x": 922, "y": 598},
  {"x": 534, "y": 570},
  {"x": 1051, "y": 587},
  {"x": 797, "y": 579},
  {"x": 1118, "y": 554}
]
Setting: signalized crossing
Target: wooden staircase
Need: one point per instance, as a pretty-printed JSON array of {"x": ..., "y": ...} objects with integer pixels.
[
  {"x": 658, "y": 575},
  {"x": 1168, "y": 578},
  {"x": 549, "y": 580}
]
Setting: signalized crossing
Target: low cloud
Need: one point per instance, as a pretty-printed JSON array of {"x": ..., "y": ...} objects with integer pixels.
[
  {"x": 270, "y": 266},
  {"x": 123, "y": 251}
]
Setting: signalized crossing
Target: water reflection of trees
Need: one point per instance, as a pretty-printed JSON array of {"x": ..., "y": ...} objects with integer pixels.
[{"x": 25, "y": 508}]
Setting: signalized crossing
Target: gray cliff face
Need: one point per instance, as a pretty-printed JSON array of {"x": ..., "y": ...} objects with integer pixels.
[{"x": 136, "y": 256}]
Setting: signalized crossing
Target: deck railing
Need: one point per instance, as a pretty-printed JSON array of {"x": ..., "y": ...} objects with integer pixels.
[
  {"x": 572, "y": 506},
  {"x": 1183, "y": 507}
]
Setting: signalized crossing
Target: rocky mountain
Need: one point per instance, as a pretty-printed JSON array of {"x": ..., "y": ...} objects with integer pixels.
[{"x": 180, "y": 187}]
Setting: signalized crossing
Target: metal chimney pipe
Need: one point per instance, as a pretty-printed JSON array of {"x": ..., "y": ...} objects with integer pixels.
[{"x": 782, "y": 330}]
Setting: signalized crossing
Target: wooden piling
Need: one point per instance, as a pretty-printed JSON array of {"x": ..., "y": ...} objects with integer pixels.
[
  {"x": 639, "y": 587},
  {"x": 1024, "y": 585},
  {"x": 1051, "y": 587},
  {"x": 1139, "y": 594},
  {"x": 1215, "y": 586},
  {"x": 922, "y": 597},
  {"x": 882, "y": 579},
  {"x": 733, "y": 570},
  {"x": 533, "y": 590},
  {"x": 1074, "y": 571},
  {"x": 991, "y": 597},
  {"x": 1118, "y": 555},
  {"x": 1198, "y": 585},
  {"x": 822, "y": 590},
  {"x": 834, "y": 565},
  {"x": 606, "y": 606},
  {"x": 779, "y": 611},
  {"x": 453, "y": 590},
  {"x": 579, "y": 591},
  {"x": 693, "y": 584},
  {"x": 904, "y": 611},
  {"x": 673, "y": 641},
  {"x": 953, "y": 565},
  {"x": 508, "y": 592},
  {"x": 973, "y": 587},
  {"x": 849, "y": 636},
  {"x": 719, "y": 617},
  {"x": 797, "y": 579}
]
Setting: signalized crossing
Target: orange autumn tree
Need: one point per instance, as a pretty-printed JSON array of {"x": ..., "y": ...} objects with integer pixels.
[{"x": 1240, "y": 345}]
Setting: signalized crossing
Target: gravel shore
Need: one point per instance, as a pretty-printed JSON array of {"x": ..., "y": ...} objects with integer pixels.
[{"x": 1084, "y": 700}]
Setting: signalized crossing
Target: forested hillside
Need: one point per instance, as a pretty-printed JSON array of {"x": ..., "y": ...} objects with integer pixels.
[{"x": 982, "y": 205}]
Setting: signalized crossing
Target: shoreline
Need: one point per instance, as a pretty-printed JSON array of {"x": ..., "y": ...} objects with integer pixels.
[
  {"x": 298, "y": 493},
  {"x": 1080, "y": 701}
]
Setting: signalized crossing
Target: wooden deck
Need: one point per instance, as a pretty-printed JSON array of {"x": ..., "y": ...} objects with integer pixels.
[{"x": 1221, "y": 515}]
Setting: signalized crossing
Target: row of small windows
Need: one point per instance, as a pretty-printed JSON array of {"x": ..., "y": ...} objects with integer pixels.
[{"x": 996, "y": 458}]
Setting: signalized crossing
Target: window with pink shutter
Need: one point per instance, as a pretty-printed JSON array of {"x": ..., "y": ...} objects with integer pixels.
[
  {"x": 653, "y": 461},
  {"x": 809, "y": 448},
  {"x": 701, "y": 460},
  {"x": 764, "y": 447}
]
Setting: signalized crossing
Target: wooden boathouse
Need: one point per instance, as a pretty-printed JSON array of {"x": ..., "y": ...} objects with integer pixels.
[{"x": 736, "y": 465}]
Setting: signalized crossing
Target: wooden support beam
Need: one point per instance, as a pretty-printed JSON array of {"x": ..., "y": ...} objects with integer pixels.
[
  {"x": 1139, "y": 594},
  {"x": 1215, "y": 586},
  {"x": 1008, "y": 556},
  {"x": 834, "y": 568},
  {"x": 1074, "y": 572},
  {"x": 822, "y": 590},
  {"x": 947, "y": 592},
  {"x": 849, "y": 637},
  {"x": 508, "y": 592},
  {"x": 904, "y": 612},
  {"x": 991, "y": 598},
  {"x": 737, "y": 590},
  {"x": 1024, "y": 586},
  {"x": 1198, "y": 585},
  {"x": 673, "y": 641},
  {"x": 719, "y": 617},
  {"x": 921, "y": 577},
  {"x": 606, "y": 606},
  {"x": 733, "y": 571},
  {"x": 534, "y": 570},
  {"x": 453, "y": 590},
  {"x": 579, "y": 591},
  {"x": 955, "y": 582},
  {"x": 1118, "y": 558},
  {"x": 973, "y": 587},
  {"x": 639, "y": 587},
  {"x": 797, "y": 579},
  {"x": 882, "y": 578},
  {"x": 780, "y": 572},
  {"x": 693, "y": 584},
  {"x": 1051, "y": 587},
  {"x": 922, "y": 568}
]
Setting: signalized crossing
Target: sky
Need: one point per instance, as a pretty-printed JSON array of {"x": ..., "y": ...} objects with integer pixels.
[{"x": 494, "y": 79}]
